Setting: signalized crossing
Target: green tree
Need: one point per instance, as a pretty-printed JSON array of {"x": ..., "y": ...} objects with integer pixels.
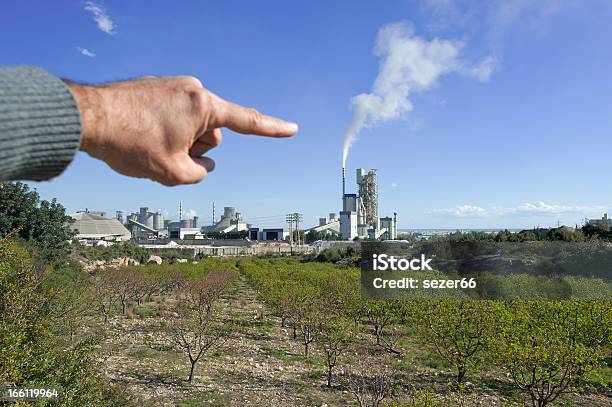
[
  {"x": 547, "y": 346},
  {"x": 40, "y": 222},
  {"x": 460, "y": 330},
  {"x": 383, "y": 315},
  {"x": 31, "y": 353}
]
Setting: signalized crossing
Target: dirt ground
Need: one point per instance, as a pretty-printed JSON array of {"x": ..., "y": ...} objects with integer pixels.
[{"x": 260, "y": 364}]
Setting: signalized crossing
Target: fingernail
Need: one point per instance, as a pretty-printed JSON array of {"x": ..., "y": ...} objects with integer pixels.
[{"x": 292, "y": 127}]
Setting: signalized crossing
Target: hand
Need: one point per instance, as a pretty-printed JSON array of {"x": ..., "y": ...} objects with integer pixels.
[{"x": 160, "y": 128}]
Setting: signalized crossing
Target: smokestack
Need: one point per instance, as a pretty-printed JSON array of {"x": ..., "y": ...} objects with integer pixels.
[
  {"x": 343, "y": 182},
  {"x": 180, "y": 211}
]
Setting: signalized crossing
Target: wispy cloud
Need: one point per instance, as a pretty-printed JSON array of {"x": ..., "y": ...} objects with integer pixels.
[
  {"x": 101, "y": 17},
  {"x": 495, "y": 17},
  {"x": 86, "y": 52},
  {"x": 484, "y": 69},
  {"x": 524, "y": 210}
]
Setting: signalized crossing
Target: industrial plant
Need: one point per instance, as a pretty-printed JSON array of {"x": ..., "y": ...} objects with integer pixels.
[
  {"x": 231, "y": 221},
  {"x": 359, "y": 216},
  {"x": 146, "y": 225},
  {"x": 357, "y": 219},
  {"x": 359, "y": 212}
]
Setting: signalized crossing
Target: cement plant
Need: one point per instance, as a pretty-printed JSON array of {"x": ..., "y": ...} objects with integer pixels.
[{"x": 231, "y": 233}]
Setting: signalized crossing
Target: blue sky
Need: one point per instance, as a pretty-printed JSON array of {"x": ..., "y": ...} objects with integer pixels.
[{"x": 528, "y": 146}]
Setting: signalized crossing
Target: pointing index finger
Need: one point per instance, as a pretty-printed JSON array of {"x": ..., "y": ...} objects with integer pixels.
[{"x": 249, "y": 121}]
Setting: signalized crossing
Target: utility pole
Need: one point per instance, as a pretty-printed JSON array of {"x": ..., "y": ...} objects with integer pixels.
[
  {"x": 289, "y": 219},
  {"x": 294, "y": 218},
  {"x": 297, "y": 218}
]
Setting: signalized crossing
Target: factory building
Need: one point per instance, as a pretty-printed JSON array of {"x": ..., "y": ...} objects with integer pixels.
[
  {"x": 368, "y": 194},
  {"x": 176, "y": 231},
  {"x": 152, "y": 220},
  {"x": 348, "y": 225},
  {"x": 604, "y": 221},
  {"x": 158, "y": 220},
  {"x": 231, "y": 221},
  {"x": 389, "y": 226},
  {"x": 329, "y": 225},
  {"x": 145, "y": 224},
  {"x": 268, "y": 234},
  {"x": 359, "y": 215},
  {"x": 91, "y": 228}
]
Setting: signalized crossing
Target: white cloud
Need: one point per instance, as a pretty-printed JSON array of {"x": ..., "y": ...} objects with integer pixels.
[
  {"x": 494, "y": 17},
  {"x": 464, "y": 211},
  {"x": 101, "y": 18},
  {"x": 523, "y": 210},
  {"x": 408, "y": 64},
  {"x": 393, "y": 185},
  {"x": 86, "y": 52},
  {"x": 484, "y": 69}
]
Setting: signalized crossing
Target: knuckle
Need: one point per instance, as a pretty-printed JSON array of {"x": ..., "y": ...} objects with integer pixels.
[
  {"x": 214, "y": 108},
  {"x": 199, "y": 98},
  {"x": 191, "y": 82},
  {"x": 254, "y": 117}
]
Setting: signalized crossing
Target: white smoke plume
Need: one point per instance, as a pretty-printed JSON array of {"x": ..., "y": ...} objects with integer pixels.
[
  {"x": 189, "y": 213},
  {"x": 408, "y": 64}
]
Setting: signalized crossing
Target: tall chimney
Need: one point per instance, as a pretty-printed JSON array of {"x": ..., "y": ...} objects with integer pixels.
[{"x": 343, "y": 182}]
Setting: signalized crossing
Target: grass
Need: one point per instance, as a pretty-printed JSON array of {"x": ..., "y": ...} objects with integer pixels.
[
  {"x": 259, "y": 325},
  {"x": 143, "y": 353},
  {"x": 204, "y": 398},
  {"x": 599, "y": 378},
  {"x": 433, "y": 361},
  {"x": 316, "y": 375},
  {"x": 146, "y": 311}
]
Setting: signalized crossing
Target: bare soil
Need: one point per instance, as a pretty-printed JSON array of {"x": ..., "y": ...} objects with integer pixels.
[{"x": 260, "y": 364}]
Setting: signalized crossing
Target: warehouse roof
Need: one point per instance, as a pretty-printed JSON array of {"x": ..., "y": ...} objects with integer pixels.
[{"x": 91, "y": 226}]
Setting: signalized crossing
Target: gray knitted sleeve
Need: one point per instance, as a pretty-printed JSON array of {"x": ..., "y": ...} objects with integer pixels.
[{"x": 40, "y": 125}]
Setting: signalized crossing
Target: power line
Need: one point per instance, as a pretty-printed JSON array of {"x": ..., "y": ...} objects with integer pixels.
[{"x": 291, "y": 219}]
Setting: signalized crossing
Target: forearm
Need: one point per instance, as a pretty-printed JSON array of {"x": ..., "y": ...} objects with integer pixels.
[{"x": 40, "y": 127}]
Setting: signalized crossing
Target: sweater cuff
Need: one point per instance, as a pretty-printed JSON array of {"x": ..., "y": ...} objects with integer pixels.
[{"x": 40, "y": 125}]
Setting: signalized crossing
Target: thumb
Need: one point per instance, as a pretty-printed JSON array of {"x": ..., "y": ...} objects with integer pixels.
[{"x": 191, "y": 170}]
